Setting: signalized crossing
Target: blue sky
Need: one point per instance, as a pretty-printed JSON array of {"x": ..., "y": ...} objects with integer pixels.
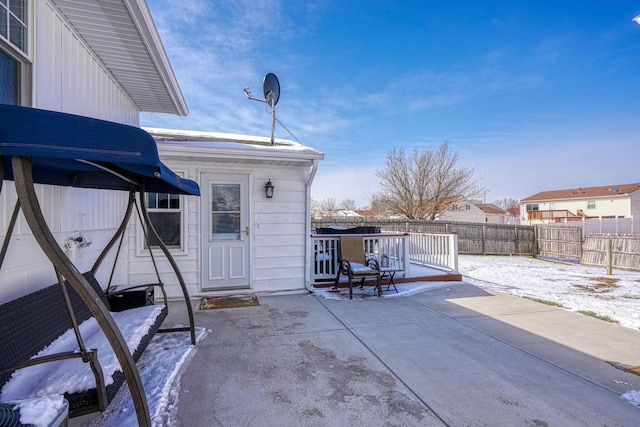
[{"x": 535, "y": 95}]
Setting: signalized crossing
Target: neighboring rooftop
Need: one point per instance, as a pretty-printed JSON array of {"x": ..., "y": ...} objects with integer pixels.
[
  {"x": 490, "y": 208},
  {"x": 585, "y": 192}
]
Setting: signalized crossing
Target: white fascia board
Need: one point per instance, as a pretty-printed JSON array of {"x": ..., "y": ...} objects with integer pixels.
[
  {"x": 180, "y": 143},
  {"x": 236, "y": 150}
]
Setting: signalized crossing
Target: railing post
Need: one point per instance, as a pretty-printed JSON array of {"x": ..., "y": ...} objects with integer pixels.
[
  {"x": 453, "y": 252},
  {"x": 405, "y": 249}
]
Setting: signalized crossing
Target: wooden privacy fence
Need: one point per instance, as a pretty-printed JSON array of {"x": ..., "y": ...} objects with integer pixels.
[
  {"x": 620, "y": 251},
  {"x": 547, "y": 240},
  {"x": 564, "y": 243},
  {"x": 473, "y": 238}
]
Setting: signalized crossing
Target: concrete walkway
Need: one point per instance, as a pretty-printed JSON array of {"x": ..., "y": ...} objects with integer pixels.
[{"x": 456, "y": 356}]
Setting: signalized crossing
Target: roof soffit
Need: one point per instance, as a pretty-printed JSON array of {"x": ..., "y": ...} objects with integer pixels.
[{"x": 123, "y": 36}]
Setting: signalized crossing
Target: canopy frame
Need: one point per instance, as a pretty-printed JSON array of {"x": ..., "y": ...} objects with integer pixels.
[{"x": 38, "y": 154}]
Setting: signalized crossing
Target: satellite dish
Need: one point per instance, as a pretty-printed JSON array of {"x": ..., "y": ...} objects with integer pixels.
[{"x": 271, "y": 87}]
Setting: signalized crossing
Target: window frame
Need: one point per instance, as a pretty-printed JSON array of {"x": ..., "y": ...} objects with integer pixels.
[
  {"x": 591, "y": 204},
  {"x": 22, "y": 58},
  {"x": 25, "y": 23},
  {"x": 181, "y": 249}
]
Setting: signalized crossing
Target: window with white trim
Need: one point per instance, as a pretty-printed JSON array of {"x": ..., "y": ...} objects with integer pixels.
[
  {"x": 13, "y": 23},
  {"x": 591, "y": 204},
  {"x": 165, "y": 212},
  {"x": 9, "y": 79},
  {"x": 13, "y": 51}
]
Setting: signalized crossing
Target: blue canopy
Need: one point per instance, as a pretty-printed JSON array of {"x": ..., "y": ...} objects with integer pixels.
[{"x": 78, "y": 151}]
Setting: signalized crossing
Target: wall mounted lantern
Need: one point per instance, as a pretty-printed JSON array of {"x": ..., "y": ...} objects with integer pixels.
[{"x": 268, "y": 188}]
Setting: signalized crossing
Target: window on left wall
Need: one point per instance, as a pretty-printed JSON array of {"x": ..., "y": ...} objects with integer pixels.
[
  {"x": 165, "y": 212},
  {"x": 14, "y": 33},
  {"x": 9, "y": 80},
  {"x": 13, "y": 23}
]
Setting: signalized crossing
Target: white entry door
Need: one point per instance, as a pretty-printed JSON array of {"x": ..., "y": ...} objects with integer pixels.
[{"x": 226, "y": 237}]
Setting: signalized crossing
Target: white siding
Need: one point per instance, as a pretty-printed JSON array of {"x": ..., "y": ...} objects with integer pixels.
[
  {"x": 26, "y": 268},
  {"x": 623, "y": 206},
  {"x": 278, "y": 232},
  {"x": 67, "y": 76},
  {"x": 635, "y": 204}
]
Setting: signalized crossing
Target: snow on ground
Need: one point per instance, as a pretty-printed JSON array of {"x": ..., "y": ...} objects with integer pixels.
[
  {"x": 160, "y": 367},
  {"x": 574, "y": 287}
]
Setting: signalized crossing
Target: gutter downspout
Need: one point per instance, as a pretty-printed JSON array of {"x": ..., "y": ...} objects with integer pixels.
[{"x": 307, "y": 239}]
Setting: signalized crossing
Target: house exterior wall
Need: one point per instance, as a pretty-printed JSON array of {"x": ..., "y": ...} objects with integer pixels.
[
  {"x": 634, "y": 201},
  {"x": 468, "y": 212},
  {"x": 623, "y": 206},
  {"x": 278, "y": 232},
  {"x": 66, "y": 77}
]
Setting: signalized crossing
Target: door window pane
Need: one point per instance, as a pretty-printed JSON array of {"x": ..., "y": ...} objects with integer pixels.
[{"x": 225, "y": 211}]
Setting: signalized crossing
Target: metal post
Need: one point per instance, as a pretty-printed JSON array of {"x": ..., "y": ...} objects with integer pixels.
[{"x": 23, "y": 177}]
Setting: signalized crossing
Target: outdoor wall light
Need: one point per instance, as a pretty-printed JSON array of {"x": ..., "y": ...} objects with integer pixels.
[{"x": 268, "y": 188}]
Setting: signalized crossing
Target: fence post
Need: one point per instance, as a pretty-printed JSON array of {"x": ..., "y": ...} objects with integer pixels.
[
  {"x": 484, "y": 239},
  {"x": 517, "y": 242},
  {"x": 608, "y": 255}
]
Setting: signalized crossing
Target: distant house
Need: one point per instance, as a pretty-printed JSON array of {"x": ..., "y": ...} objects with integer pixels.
[
  {"x": 515, "y": 212},
  {"x": 467, "y": 211},
  {"x": 574, "y": 204}
]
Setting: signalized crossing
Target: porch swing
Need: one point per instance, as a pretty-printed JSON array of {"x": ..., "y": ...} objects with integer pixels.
[{"x": 45, "y": 147}]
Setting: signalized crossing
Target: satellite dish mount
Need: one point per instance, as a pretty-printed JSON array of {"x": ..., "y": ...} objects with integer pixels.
[{"x": 271, "y": 89}]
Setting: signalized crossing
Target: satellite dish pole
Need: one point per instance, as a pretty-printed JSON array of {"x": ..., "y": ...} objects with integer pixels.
[{"x": 271, "y": 89}]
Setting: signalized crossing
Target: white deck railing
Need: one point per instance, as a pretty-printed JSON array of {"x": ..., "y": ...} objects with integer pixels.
[{"x": 436, "y": 250}]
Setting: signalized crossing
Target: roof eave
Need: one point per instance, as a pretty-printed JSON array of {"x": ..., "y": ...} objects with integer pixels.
[
  {"x": 146, "y": 27},
  {"x": 153, "y": 87}
]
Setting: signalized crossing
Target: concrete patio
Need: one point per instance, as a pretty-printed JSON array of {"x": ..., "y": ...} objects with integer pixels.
[{"x": 457, "y": 355}]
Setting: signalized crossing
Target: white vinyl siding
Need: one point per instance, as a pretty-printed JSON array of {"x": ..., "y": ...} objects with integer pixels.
[
  {"x": 278, "y": 231},
  {"x": 69, "y": 78}
]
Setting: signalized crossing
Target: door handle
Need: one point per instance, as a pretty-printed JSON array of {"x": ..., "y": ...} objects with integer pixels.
[{"x": 246, "y": 230}]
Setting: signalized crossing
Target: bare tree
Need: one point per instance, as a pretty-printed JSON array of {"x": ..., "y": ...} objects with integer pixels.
[
  {"x": 327, "y": 207},
  {"x": 348, "y": 205},
  {"x": 507, "y": 203},
  {"x": 420, "y": 185}
]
